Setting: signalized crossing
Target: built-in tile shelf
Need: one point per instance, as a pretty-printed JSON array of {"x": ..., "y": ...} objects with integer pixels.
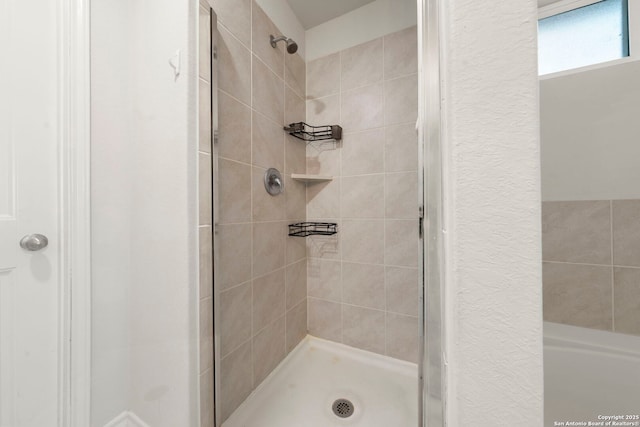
[{"x": 311, "y": 179}]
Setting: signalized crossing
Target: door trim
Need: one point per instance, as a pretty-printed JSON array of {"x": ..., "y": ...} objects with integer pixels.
[{"x": 75, "y": 211}]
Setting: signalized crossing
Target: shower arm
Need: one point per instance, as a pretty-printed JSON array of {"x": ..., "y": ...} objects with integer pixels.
[{"x": 275, "y": 40}]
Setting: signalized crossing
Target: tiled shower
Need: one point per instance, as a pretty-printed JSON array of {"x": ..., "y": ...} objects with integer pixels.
[{"x": 358, "y": 287}]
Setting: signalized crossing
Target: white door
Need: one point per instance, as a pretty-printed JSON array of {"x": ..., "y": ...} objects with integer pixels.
[{"x": 30, "y": 298}]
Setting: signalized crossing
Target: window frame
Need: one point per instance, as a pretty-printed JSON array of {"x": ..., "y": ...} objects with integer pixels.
[{"x": 561, "y": 6}]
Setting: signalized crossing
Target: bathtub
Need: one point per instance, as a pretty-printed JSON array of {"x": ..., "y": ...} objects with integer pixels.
[{"x": 589, "y": 374}]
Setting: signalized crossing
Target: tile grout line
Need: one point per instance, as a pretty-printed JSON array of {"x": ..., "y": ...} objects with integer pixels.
[
  {"x": 384, "y": 195},
  {"x": 631, "y": 267},
  {"x": 251, "y": 193},
  {"x": 613, "y": 311}
]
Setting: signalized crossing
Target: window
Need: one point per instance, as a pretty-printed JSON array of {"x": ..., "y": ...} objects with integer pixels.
[{"x": 589, "y": 35}]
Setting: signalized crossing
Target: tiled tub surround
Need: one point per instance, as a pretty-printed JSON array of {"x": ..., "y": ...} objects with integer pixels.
[
  {"x": 591, "y": 268},
  {"x": 261, "y": 274},
  {"x": 363, "y": 281}
]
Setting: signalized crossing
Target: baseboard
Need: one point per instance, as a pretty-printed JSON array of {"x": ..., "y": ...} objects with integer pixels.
[{"x": 126, "y": 419}]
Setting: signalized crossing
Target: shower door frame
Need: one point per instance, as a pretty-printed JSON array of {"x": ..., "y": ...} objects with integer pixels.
[{"x": 432, "y": 368}]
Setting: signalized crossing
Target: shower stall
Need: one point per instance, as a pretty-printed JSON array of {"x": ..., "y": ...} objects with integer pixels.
[{"x": 317, "y": 203}]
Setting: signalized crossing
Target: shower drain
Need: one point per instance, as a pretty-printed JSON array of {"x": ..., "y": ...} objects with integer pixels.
[{"x": 342, "y": 408}]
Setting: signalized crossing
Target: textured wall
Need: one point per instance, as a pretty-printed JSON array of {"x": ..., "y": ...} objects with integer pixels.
[
  {"x": 261, "y": 273},
  {"x": 363, "y": 282},
  {"x": 492, "y": 213}
]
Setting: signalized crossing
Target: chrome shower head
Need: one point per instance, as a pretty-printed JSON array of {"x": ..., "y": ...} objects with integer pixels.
[{"x": 292, "y": 47}]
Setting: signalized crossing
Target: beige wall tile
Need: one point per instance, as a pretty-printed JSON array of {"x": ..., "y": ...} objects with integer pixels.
[
  {"x": 235, "y": 15},
  {"x": 578, "y": 295},
  {"x": 364, "y": 328},
  {"x": 324, "y": 159},
  {"x": 234, "y": 249},
  {"x": 263, "y": 27},
  {"x": 363, "y": 153},
  {"x": 204, "y": 189},
  {"x": 401, "y": 198},
  {"x": 626, "y": 232},
  {"x": 265, "y": 206},
  {"x": 207, "y": 418},
  {"x": 356, "y": 199},
  {"x": 402, "y": 290},
  {"x": 204, "y": 44},
  {"x": 235, "y": 129},
  {"x": 296, "y": 283},
  {"x": 361, "y": 65},
  {"x": 296, "y": 324},
  {"x": 401, "y": 148},
  {"x": 234, "y": 185},
  {"x": 325, "y": 247},
  {"x": 323, "y": 199},
  {"x": 235, "y": 318},
  {"x": 363, "y": 196},
  {"x": 363, "y": 285},
  {"x": 324, "y": 111},
  {"x": 576, "y": 232},
  {"x": 205, "y": 262},
  {"x": 296, "y": 199},
  {"x": 627, "y": 300},
  {"x": 401, "y": 100},
  {"x": 268, "y": 92},
  {"x": 401, "y": 246},
  {"x": 296, "y": 247},
  {"x": 269, "y": 349},
  {"x": 363, "y": 108},
  {"x": 268, "y": 299},
  {"x": 295, "y": 74},
  {"x": 363, "y": 241},
  {"x": 204, "y": 119},
  {"x": 235, "y": 379},
  {"x": 402, "y": 337},
  {"x": 206, "y": 334},
  {"x": 325, "y": 319},
  {"x": 324, "y": 279},
  {"x": 268, "y": 247},
  {"x": 295, "y": 108},
  {"x": 323, "y": 76},
  {"x": 234, "y": 67},
  {"x": 401, "y": 53},
  {"x": 295, "y": 155}
]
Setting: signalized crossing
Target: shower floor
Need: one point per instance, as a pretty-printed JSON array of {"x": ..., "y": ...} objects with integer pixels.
[{"x": 301, "y": 390}]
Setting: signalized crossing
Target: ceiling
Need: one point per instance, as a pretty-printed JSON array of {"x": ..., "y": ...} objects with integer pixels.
[{"x": 315, "y": 12}]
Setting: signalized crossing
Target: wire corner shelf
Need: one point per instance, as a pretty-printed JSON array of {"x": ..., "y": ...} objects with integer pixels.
[
  {"x": 304, "y": 229},
  {"x": 308, "y": 133}
]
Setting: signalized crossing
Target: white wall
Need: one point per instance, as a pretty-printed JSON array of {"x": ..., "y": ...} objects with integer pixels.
[
  {"x": 492, "y": 213},
  {"x": 590, "y": 128},
  {"x": 111, "y": 206},
  {"x": 282, "y": 15},
  {"x": 371, "y": 21},
  {"x": 144, "y": 211}
]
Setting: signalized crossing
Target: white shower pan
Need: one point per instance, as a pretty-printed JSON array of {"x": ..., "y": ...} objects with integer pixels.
[{"x": 301, "y": 391}]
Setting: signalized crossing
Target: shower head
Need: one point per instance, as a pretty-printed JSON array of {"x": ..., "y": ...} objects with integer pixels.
[{"x": 292, "y": 47}]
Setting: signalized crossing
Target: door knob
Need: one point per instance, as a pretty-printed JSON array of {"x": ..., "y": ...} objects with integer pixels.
[{"x": 34, "y": 242}]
